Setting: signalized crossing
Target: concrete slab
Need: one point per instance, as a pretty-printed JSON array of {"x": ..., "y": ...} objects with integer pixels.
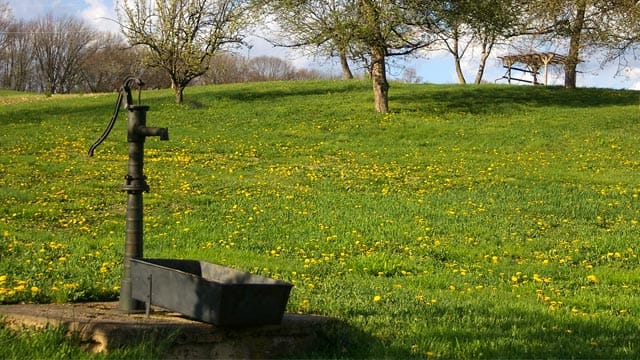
[{"x": 102, "y": 328}]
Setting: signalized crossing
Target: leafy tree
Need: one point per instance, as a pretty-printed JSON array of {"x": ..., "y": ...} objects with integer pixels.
[
  {"x": 323, "y": 27},
  {"x": 461, "y": 24},
  {"x": 491, "y": 22},
  {"x": 627, "y": 36},
  {"x": 182, "y": 35},
  {"x": 585, "y": 26},
  {"x": 389, "y": 28},
  {"x": 366, "y": 30}
]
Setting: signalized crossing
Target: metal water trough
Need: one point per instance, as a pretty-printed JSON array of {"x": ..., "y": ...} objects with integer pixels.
[{"x": 209, "y": 292}]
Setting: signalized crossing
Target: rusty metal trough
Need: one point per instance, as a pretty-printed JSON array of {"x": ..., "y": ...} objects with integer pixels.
[{"x": 208, "y": 292}]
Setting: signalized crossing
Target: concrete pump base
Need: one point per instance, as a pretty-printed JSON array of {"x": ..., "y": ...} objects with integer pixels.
[{"x": 101, "y": 327}]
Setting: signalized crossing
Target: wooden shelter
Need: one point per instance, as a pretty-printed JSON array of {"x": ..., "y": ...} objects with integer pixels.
[{"x": 533, "y": 62}]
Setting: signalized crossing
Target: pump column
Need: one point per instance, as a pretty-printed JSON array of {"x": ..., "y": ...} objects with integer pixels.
[{"x": 135, "y": 184}]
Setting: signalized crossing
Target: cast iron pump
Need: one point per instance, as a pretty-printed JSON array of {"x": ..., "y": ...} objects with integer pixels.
[{"x": 135, "y": 182}]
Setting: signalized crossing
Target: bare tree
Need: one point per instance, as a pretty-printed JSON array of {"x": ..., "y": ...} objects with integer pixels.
[
  {"x": 108, "y": 61},
  {"x": 17, "y": 58},
  {"x": 16, "y": 63},
  {"x": 225, "y": 69},
  {"x": 265, "y": 68},
  {"x": 182, "y": 35},
  {"x": 5, "y": 22},
  {"x": 410, "y": 76},
  {"x": 60, "y": 46}
]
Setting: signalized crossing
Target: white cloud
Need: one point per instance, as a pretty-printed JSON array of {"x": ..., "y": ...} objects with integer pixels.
[
  {"x": 633, "y": 76},
  {"x": 100, "y": 14}
]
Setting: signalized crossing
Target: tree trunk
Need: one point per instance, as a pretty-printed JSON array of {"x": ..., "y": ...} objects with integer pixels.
[
  {"x": 573, "y": 58},
  {"x": 377, "y": 45},
  {"x": 379, "y": 80},
  {"x": 486, "y": 50},
  {"x": 461, "y": 78},
  {"x": 457, "y": 59},
  {"x": 344, "y": 64},
  {"x": 178, "y": 90}
]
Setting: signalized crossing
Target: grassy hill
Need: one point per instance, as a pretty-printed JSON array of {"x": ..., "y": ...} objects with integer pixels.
[{"x": 470, "y": 222}]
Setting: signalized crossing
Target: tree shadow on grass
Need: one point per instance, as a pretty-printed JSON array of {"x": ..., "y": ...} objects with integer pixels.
[
  {"x": 340, "y": 340},
  {"x": 267, "y": 91},
  {"x": 535, "y": 335},
  {"x": 496, "y": 99}
]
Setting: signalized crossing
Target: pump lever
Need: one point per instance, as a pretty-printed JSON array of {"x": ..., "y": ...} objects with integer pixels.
[
  {"x": 126, "y": 88},
  {"x": 109, "y": 127}
]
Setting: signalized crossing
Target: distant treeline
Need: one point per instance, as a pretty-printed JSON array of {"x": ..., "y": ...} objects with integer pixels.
[{"x": 65, "y": 55}]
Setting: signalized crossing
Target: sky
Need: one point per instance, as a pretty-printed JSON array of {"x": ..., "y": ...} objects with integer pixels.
[{"x": 432, "y": 67}]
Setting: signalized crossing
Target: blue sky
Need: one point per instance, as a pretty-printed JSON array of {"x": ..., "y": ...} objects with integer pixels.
[{"x": 433, "y": 67}]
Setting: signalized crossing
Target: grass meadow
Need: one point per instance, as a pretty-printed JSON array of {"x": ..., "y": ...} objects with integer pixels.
[{"x": 470, "y": 222}]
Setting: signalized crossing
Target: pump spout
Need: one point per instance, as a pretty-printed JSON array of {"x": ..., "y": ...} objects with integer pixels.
[{"x": 163, "y": 133}]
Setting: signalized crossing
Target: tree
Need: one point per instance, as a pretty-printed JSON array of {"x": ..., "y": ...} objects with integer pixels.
[
  {"x": 18, "y": 65},
  {"x": 388, "y": 28},
  {"x": 367, "y": 30},
  {"x": 584, "y": 26},
  {"x": 324, "y": 27},
  {"x": 492, "y": 21},
  {"x": 225, "y": 69},
  {"x": 266, "y": 68},
  {"x": 461, "y": 24},
  {"x": 5, "y": 22},
  {"x": 627, "y": 38},
  {"x": 451, "y": 29},
  {"x": 59, "y": 47},
  {"x": 182, "y": 35},
  {"x": 109, "y": 61}
]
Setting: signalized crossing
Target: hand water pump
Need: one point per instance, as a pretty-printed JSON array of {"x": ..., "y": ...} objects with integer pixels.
[{"x": 134, "y": 184}]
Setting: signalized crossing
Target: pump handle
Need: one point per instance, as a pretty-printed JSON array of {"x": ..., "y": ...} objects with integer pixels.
[{"x": 126, "y": 88}]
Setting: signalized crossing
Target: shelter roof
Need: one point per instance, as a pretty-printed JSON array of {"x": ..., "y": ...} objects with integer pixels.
[{"x": 535, "y": 60}]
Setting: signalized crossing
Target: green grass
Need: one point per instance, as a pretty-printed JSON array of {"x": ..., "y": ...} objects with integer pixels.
[
  {"x": 471, "y": 222},
  {"x": 55, "y": 343}
]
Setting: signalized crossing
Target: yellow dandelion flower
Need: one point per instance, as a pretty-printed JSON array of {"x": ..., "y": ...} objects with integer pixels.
[
  {"x": 592, "y": 279},
  {"x": 377, "y": 298}
]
